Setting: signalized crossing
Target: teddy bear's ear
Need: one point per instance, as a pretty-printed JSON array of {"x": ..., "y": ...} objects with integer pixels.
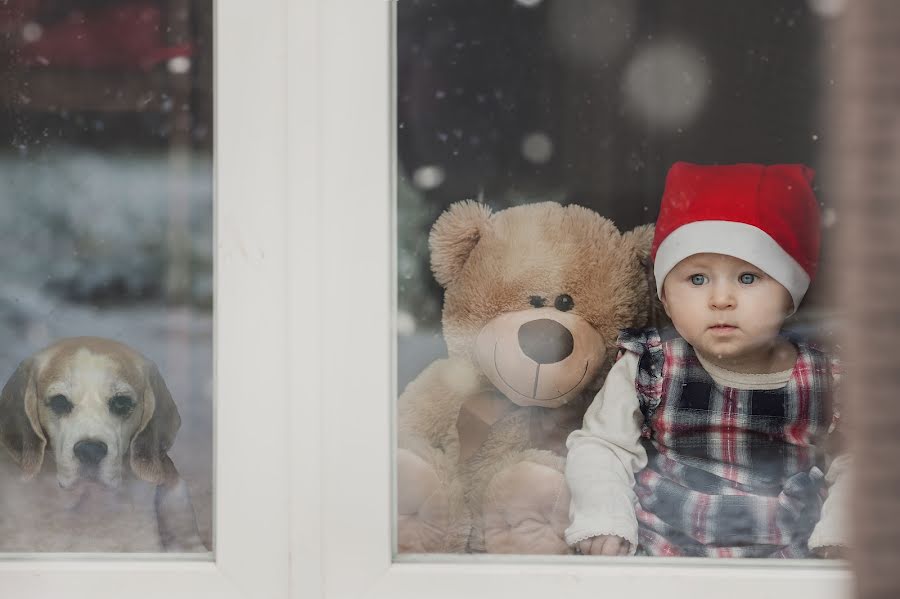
[
  {"x": 641, "y": 241},
  {"x": 454, "y": 236}
]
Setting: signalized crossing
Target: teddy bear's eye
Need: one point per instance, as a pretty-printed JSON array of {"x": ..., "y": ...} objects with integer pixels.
[
  {"x": 564, "y": 302},
  {"x": 537, "y": 301}
]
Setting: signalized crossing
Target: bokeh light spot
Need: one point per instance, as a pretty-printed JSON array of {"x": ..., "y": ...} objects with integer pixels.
[{"x": 666, "y": 84}]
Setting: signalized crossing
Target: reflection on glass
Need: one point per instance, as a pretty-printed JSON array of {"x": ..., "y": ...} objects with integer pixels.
[
  {"x": 534, "y": 141},
  {"x": 106, "y": 295}
]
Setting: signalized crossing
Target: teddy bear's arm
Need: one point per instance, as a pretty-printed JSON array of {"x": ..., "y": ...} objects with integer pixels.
[
  {"x": 603, "y": 457},
  {"x": 428, "y": 408},
  {"x": 432, "y": 515}
]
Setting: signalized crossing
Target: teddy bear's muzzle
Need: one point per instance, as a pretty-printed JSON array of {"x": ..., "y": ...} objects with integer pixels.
[{"x": 540, "y": 357}]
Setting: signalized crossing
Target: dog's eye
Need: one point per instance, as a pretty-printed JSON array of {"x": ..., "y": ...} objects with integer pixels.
[
  {"x": 564, "y": 302},
  {"x": 121, "y": 405},
  {"x": 60, "y": 405},
  {"x": 537, "y": 301}
]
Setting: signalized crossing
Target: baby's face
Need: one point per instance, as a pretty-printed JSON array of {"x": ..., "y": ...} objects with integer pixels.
[{"x": 730, "y": 311}]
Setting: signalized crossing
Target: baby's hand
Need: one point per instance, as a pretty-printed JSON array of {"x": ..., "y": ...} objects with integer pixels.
[
  {"x": 604, "y": 545},
  {"x": 830, "y": 552}
]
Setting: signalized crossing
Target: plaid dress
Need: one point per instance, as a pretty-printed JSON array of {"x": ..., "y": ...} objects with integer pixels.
[{"x": 731, "y": 472}]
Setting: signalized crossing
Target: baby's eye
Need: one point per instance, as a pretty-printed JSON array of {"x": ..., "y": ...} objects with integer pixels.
[
  {"x": 747, "y": 278},
  {"x": 698, "y": 279}
]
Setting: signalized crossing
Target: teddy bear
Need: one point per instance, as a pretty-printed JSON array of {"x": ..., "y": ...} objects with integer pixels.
[{"x": 534, "y": 298}]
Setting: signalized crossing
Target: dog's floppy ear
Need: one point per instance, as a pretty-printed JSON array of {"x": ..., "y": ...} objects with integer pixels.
[
  {"x": 157, "y": 430},
  {"x": 20, "y": 428}
]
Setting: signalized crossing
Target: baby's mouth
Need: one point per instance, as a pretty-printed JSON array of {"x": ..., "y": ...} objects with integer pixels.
[{"x": 723, "y": 328}]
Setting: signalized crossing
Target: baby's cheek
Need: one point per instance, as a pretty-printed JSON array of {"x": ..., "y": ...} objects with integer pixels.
[{"x": 785, "y": 300}]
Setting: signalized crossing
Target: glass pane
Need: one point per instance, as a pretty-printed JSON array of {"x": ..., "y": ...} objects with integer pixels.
[
  {"x": 107, "y": 292},
  {"x": 512, "y": 301}
]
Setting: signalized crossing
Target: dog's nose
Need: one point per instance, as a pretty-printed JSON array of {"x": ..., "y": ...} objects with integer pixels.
[
  {"x": 545, "y": 341},
  {"x": 90, "y": 452}
]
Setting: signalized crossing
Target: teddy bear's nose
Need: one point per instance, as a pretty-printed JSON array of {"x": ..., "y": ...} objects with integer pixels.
[{"x": 545, "y": 341}]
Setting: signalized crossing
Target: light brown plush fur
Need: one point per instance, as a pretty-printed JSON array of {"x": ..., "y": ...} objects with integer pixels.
[{"x": 481, "y": 442}]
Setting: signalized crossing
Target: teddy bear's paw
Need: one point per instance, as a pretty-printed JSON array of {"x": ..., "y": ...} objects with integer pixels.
[
  {"x": 526, "y": 510},
  {"x": 423, "y": 506}
]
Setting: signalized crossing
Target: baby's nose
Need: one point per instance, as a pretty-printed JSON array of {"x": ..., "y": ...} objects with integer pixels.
[{"x": 722, "y": 296}]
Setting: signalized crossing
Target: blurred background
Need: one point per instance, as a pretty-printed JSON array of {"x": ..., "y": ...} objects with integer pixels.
[
  {"x": 590, "y": 102},
  {"x": 106, "y": 195}
]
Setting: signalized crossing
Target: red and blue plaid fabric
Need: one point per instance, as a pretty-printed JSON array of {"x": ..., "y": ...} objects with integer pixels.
[{"x": 731, "y": 472}]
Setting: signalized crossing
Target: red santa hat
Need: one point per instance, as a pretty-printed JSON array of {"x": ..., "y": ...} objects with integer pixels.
[{"x": 766, "y": 215}]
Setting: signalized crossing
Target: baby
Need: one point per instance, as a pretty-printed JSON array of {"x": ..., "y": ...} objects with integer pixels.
[{"x": 725, "y": 422}]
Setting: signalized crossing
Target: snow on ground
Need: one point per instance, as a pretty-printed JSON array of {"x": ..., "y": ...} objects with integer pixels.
[{"x": 97, "y": 226}]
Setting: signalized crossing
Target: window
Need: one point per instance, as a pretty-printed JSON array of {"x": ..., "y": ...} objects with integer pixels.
[
  {"x": 586, "y": 103},
  {"x": 251, "y": 298},
  {"x": 108, "y": 234},
  {"x": 512, "y": 103},
  {"x": 305, "y": 273}
]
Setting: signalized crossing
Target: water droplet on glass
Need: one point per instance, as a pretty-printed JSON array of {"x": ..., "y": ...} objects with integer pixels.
[
  {"x": 32, "y": 32},
  {"x": 428, "y": 176},
  {"x": 537, "y": 147},
  {"x": 827, "y": 8},
  {"x": 179, "y": 65}
]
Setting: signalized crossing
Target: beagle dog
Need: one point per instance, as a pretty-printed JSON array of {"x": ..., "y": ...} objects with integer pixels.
[{"x": 100, "y": 413}]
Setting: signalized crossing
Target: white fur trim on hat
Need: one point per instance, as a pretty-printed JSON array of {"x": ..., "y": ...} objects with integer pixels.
[{"x": 739, "y": 240}]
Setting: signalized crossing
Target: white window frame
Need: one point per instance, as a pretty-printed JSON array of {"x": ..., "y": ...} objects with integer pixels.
[
  {"x": 306, "y": 359},
  {"x": 357, "y": 361},
  {"x": 251, "y": 440}
]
